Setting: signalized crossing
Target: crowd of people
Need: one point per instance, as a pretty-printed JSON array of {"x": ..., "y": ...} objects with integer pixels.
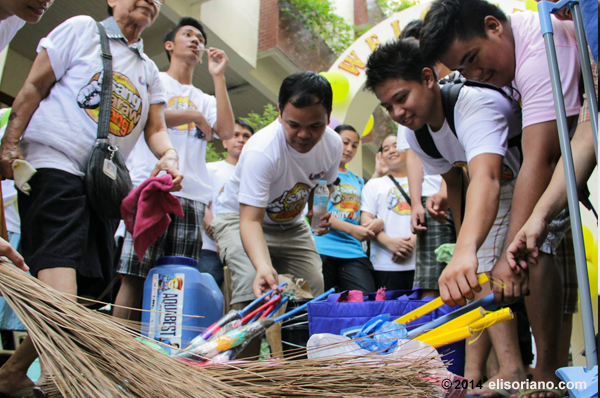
[{"x": 478, "y": 167}]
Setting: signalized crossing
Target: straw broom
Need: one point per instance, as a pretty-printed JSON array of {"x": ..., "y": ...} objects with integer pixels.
[{"x": 89, "y": 355}]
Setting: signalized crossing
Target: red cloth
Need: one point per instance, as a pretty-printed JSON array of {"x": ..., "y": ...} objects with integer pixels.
[
  {"x": 146, "y": 209},
  {"x": 380, "y": 296},
  {"x": 351, "y": 296}
]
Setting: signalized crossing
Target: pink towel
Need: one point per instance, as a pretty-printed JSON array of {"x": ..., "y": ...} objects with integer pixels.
[
  {"x": 380, "y": 296},
  {"x": 351, "y": 296},
  {"x": 146, "y": 211}
]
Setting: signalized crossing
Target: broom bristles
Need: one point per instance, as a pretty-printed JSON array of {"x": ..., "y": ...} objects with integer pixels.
[{"x": 90, "y": 355}]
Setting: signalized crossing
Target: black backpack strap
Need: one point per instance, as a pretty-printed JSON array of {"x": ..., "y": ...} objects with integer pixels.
[
  {"x": 106, "y": 93},
  {"x": 450, "y": 93},
  {"x": 426, "y": 143},
  {"x": 406, "y": 197}
]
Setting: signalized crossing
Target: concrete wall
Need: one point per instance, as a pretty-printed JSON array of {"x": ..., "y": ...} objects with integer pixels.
[{"x": 235, "y": 22}]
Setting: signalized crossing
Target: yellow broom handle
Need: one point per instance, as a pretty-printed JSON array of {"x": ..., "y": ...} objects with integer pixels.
[
  {"x": 464, "y": 320},
  {"x": 492, "y": 318},
  {"x": 431, "y": 306},
  {"x": 450, "y": 337}
]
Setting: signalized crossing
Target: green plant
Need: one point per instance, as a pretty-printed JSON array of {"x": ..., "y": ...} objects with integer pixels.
[
  {"x": 212, "y": 155},
  {"x": 258, "y": 120},
  {"x": 319, "y": 17},
  {"x": 390, "y": 7}
]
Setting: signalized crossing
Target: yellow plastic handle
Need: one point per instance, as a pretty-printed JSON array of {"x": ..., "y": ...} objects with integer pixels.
[{"x": 432, "y": 305}]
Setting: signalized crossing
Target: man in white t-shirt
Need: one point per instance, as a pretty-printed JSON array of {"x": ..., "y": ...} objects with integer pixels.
[
  {"x": 392, "y": 250},
  {"x": 191, "y": 118},
  {"x": 484, "y": 121},
  {"x": 218, "y": 175},
  {"x": 259, "y": 227},
  {"x": 476, "y": 38}
]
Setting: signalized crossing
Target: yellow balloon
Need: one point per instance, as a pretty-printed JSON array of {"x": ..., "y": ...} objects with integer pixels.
[
  {"x": 591, "y": 250},
  {"x": 369, "y": 126},
  {"x": 593, "y": 276},
  {"x": 339, "y": 85},
  {"x": 531, "y": 5}
]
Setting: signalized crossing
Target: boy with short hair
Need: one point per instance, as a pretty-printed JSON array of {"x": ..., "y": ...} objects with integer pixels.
[
  {"x": 484, "y": 120},
  {"x": 191, "y": 117}
]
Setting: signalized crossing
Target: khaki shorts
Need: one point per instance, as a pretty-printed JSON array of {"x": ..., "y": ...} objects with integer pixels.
[
  {"x": 491, "y": 249},
  {"x": 291, "y": 247}
]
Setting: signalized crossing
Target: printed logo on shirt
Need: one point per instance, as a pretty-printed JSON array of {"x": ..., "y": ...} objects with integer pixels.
[
  {"x": 346, "y": 201},
  {"x": 126, "y": 108},
  {"x": 290, "y": 204},
  {"x": 182, "y": 103},
  {"x": 396, "y": 201},
  {"x": 507, "y": 173}
]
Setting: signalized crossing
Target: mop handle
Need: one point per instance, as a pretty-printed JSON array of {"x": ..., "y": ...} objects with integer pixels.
[
  {"x": 278, "y": 306},
  {"x": 486, "y": 302},
  {"x": 262, "y": 307},
  {"x": 432, "y": 305},
  {"x": 215, "y": 327},
  {"x": 258, "y": 300},
  {"x": 303, "y": 306}
]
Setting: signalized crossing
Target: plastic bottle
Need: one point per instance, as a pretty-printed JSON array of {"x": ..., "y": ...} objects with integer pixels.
[
  {"x": 320, "y": 200},
  {"x": 173, "y": 289}
]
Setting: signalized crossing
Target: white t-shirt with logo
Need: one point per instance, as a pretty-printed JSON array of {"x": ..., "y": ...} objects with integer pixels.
[
  {"x": 431, "y": 182},
  {"x": 484, "y": 122},
  {"x": 218, "y": 175},
  {"x": 8, "y": 29},
  {"x": 63, "y": 129},
  {"x": 190, "y": 148},
  {"x": 381, "y": 198},
  {"x": 271, "y": 174}
]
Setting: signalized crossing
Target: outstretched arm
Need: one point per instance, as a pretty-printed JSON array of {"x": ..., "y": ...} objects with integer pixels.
[
  {"x": 255, "y": 244},
  {"x": 524, "y": 248},
  {"x": 459, "y": 279},
  {"x": 36, "y": 87},
  {"x": 217, "y": 63}
]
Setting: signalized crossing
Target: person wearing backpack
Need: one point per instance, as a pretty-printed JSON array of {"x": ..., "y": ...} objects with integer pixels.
[{"x": 467, "y": 134}]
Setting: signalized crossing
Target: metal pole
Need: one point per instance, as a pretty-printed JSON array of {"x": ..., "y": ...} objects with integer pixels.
[
  {"x": 586, "y": 71},
  {"x": 580, "y": 261}
]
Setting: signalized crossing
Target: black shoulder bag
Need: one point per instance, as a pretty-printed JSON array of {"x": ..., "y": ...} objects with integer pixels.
[{"x": 107, "y": 180}]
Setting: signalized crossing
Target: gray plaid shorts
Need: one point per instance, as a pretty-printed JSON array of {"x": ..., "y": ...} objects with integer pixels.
[
  {"x": 428, "y": 269},
  {"x": 183, "y": 238},
  {"x": 565, "y": 261}
]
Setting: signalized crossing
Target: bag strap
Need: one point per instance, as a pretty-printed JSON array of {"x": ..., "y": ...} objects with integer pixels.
[
  {"x": 426, "y": 143},
  {"x": 406, "y": 197},
  {"x": 106, "y": 93}
]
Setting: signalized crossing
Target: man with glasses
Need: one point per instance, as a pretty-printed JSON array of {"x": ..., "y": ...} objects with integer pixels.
[{"x": 192, "y": 117}]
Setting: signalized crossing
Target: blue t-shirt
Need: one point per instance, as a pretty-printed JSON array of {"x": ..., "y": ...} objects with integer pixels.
[
  {"x": 589, "y": 10},
  {"x": 344, "y": 205}
]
